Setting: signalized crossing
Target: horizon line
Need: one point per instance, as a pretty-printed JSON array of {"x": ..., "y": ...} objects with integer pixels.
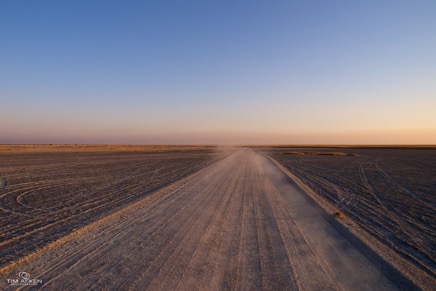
[{"x": 216, "y": 145}]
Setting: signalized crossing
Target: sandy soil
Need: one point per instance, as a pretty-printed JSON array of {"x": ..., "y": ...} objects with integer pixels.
[{"x": 237, "y": 224}]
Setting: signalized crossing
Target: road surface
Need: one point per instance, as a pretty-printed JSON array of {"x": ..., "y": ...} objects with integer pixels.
[{"x": 239, "y": 224}]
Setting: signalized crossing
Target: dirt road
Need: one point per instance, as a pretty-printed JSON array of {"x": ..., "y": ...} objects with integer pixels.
[{"x": 238, "y": 224}]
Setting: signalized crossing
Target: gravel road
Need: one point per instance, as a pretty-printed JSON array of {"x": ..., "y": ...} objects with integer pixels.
[{"x": 237, "y": 224}]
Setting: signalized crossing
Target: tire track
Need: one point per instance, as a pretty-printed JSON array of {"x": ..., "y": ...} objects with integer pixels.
[{"x": 238, "y": 224}]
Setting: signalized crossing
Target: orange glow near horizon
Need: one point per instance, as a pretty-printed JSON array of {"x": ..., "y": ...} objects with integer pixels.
[{"x": 271, "y": 74}]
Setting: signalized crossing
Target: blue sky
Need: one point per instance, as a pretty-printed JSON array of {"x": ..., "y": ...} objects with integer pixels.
[{"x": 220, "y": 72}]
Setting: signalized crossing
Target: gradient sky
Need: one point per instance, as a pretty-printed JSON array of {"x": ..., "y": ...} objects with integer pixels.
[{"x": 218, "y": 72}]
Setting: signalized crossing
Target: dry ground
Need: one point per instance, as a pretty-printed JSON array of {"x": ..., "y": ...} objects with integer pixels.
[
  {"x": 46, "y": 194},
  {"x": 239, "y": 223},
  {"x": 387, "y": 192}
]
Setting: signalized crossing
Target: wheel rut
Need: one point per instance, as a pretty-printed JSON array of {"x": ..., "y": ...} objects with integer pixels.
[{"x": 237, "y": 224}]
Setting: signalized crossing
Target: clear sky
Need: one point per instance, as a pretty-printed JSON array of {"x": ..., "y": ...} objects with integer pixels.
[{"x": 218, "y": 71}]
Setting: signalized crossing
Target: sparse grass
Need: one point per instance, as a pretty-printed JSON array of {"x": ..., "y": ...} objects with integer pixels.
[
  {"x": 321, "y": 146},
  {"x": 321, "y": 153}
]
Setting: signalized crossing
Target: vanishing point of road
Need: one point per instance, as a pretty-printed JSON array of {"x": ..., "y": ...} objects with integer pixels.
[{"x": 238, "y": 224}]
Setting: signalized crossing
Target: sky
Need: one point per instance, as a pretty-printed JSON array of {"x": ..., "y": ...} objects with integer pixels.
[{"x": 218, "y": 72}]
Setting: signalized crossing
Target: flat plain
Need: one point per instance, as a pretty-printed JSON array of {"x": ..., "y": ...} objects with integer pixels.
[
  {"x": 389, "y": 192},
  {"x": 51, "y": 191},
  {"x": 210, "y": 218}
]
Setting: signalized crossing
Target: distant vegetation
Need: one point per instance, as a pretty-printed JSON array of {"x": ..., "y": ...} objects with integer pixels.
[
  {"x": 321, "y": 153},
  {"x": 387, "y": 147}
]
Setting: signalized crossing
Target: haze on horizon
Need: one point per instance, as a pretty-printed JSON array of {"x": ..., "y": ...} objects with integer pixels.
[{"x": 218, "y": 72}]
